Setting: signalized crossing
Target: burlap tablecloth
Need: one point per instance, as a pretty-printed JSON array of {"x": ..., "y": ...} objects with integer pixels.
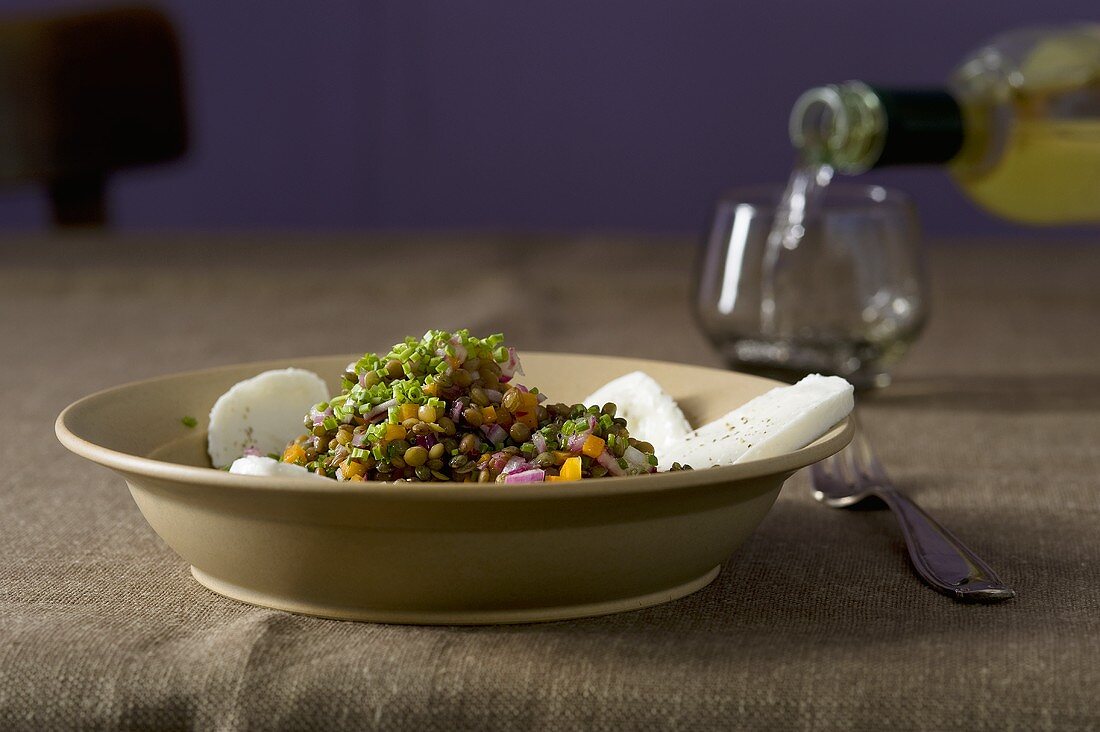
[{"x": 816, "y": 623}]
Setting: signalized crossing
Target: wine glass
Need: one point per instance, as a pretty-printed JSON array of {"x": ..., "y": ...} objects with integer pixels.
[{"x": 847, "y": 296}]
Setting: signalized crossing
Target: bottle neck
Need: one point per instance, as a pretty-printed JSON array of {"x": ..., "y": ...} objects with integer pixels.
[{"x": 854, "y": 127}]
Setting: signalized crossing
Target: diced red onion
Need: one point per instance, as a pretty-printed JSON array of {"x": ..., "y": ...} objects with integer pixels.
[
  {"x": 591, "y": 422},
  {"x": 539, "y": 441},
  {"x": 533, "y": 475},
  {"x": 607, "y": 460},
  {"x": 576, "y": 442},
  {"x": 514, "y": 463},
  {"x": 637, "y": 459},
  {"x": 498, "y": 461},
  {"x": 319, "y": 417},
  {"x": 460, "y": 350},
  {"x": 382, "y": 408},
  {"x": 541, "y": 397},
  {"x": 495, "y": 434},
  {"x": 494, "y": 396},
  {"x": 358, "y": 439},
  {"x": 512, "y": 366},
  {"x": 522, "y": 388}
]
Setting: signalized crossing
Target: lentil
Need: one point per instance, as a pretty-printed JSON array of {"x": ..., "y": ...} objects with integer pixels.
[{"x": 416, "y": 456}]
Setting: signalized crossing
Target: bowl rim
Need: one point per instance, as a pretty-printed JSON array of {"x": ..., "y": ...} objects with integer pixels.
[{"x": 834, "y": 440}]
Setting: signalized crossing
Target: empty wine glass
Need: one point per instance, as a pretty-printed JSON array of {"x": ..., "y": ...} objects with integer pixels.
[{"x": 847, "y": 296}]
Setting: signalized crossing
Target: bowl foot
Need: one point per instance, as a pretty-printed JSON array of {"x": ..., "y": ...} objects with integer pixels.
[{"x": 452, "y": 617}]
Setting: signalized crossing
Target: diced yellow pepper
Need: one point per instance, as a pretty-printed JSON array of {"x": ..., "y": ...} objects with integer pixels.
[
  {"x": 353, "y": 470},
  {"x": 528, "y": 417},
  {"x": 294, "y": 454},
  {"x": 394, "y": 432},
  {"x": 571, "y": 469},
  {"x": 408, "y": 411},
  {"x": 489, "y": 415},
  {"x": 432, "y": 389},
  {"x": 554, "y": 478},
  {"x": 593, "y": 446},
  {"x": 528, "y": 400}
]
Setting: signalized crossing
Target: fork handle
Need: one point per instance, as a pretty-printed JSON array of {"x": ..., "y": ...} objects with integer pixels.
[{"x": 940, "y": 559}]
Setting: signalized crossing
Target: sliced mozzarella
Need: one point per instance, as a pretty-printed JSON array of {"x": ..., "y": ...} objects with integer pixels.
[
  {"x": 784, "y": 419},
  {"x": 651, "y": 414},
  {"x": 262, "y": 414},
  {"x": 267, "y": 467}
]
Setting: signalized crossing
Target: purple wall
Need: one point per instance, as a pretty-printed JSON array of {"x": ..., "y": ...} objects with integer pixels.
[{"x": 502, "y": 114}]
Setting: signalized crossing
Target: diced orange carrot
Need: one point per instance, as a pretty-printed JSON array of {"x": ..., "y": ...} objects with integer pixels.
[
  {"x": 408, "y": 411},
  {"x": 593, "y": 446},
  {"x": 489, "y": 415},
  {"x": 571, "y": 469},
  {"x": 294, "y": 454},
  {"x": 395, "y": 432}
]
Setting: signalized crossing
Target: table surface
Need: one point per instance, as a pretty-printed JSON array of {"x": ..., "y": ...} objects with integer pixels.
[{"x": 815, "y": 623}]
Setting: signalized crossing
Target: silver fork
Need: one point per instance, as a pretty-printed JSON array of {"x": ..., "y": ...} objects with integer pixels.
[{"x": 855, "y": 475}]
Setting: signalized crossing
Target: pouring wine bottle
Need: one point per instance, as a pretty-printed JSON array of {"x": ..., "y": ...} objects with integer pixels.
[{"x": 1017, "y": 126}]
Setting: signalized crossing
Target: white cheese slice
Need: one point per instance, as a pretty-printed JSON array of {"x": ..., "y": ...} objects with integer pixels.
[
  {"x": 651, "y": 414},
  {"x": 779, "y": 421},
  {"x": 264, "y": 466},
  {"x": 262, "y": 414}
]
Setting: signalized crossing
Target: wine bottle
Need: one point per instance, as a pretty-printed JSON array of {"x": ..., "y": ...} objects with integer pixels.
[{"x": 1017, "y": 126}]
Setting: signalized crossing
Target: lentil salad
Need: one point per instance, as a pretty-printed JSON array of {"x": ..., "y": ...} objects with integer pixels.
[{"x": 448, "y": 407}]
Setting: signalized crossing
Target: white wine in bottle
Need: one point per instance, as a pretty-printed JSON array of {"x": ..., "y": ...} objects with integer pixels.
[{"x": 1017, "y": 126}]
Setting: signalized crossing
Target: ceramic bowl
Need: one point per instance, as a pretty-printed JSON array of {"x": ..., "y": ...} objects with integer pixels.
[{"x": 437, "y": 553}]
